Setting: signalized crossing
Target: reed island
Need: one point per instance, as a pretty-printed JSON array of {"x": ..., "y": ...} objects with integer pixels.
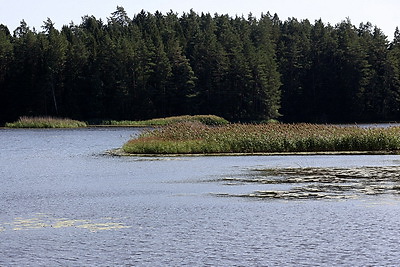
[{"x": 198, "y": 138}]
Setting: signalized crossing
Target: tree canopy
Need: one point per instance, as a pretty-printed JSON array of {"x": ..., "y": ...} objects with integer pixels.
[{"x": 158, "y": 65}]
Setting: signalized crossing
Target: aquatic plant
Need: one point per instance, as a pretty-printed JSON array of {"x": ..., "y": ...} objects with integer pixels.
[
  {"x": 45, "y": 122},
  {"x": 318, "y": 182},
  {"x": 188, "y": 137}
]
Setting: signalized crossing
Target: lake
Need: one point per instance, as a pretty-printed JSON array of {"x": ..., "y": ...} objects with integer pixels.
[{"x": 65, "y": 202}]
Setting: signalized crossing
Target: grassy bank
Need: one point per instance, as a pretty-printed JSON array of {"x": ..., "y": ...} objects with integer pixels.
[
  {"x": 195, "y": 138},
  {"x": 45, "y": 122},
  {"x": 205, "y": 119}
]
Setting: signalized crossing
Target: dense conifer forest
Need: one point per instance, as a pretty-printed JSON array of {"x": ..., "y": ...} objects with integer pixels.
[{"x": 158, "y": 65}]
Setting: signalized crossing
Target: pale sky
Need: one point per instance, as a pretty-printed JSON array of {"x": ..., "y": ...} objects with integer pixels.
[{"x": 383, "y": 13}]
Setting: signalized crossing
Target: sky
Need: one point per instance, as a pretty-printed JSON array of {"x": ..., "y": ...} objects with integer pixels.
[{"x": 382, "y": 13}]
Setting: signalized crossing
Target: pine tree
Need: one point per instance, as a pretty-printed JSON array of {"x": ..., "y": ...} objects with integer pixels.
[
  {"x": 27, "y": 95},
  {"x": 77, "y": 60},
  {"x": 265, "y": 70},
  {"x": 294, "y": 64},
  {"x": 352, "y": 73},
  {"x": 394, "y": 59},
  {"x": 382, "y": 91},
  {"x": 54, "y": 47},
  {"x": 93, "y": 89},
  {"x": 320, "y": 80},
  {"x": 6, "y": 59},
  {"x": 209, "y": 63}
]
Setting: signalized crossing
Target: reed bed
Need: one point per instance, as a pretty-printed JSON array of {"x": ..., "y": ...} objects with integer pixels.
[
  {"x": 45, "y": 122},
  {"x": 205, "y": 119},
  {"x": 197, "y": 138}
]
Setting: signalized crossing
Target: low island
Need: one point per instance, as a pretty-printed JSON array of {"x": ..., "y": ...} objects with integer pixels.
[
  {"x": 54, "y": 122},
  {"x": 45, "y": 122}
]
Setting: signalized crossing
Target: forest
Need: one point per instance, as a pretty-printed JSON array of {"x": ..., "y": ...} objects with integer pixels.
[{"x": 158, "y": 65}]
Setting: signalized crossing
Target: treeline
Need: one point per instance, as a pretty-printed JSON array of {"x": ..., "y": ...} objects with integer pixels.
[{"x": 159, "y": 65}]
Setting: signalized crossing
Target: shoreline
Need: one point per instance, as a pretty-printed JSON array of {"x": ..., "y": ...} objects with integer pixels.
[
  {"x": 73, "y": 128},
  {"x": 120, "y": 153}
]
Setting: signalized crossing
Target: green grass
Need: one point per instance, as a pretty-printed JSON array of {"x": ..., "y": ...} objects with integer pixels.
[
  {"x": 196, "y": 138},
  {"x": 45, "y": 122},
  {"x": 205, "y": 119}
]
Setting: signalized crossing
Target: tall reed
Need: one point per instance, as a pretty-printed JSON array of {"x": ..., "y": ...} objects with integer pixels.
[{"x": 264, "y": 138}]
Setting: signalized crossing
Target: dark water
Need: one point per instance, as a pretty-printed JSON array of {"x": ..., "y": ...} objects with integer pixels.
[{"x": 64, "y": 203}]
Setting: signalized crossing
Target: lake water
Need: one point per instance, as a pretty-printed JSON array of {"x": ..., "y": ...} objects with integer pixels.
[{"x": 63, "y": 202}]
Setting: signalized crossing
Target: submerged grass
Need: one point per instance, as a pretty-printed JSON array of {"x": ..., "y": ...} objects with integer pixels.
[
  {"x": 197, "y": 138},
  {"x": 45, "y": 122},
  {"x": 205, "y": 119}
]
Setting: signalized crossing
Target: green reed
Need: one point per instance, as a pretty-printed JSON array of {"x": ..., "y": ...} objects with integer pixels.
[
  {"x": 45, "y": 122},
  {"x": 184, "y": 138}
]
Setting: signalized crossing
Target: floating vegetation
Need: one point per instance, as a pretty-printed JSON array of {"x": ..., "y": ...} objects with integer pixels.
[
  {"x": 41, "y": 221},
  {"x": 45, "y": 122},
  {"x": 321, "y": 183},
  {"x": 196, "y": 138}
]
